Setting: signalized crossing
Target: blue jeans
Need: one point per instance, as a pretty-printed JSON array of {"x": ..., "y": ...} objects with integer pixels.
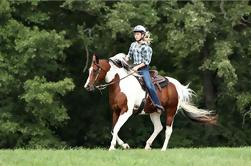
[{"x": 149, "y": 84}]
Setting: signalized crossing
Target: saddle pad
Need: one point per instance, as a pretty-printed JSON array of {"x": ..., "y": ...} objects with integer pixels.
[{"x": 163, "y": 83}]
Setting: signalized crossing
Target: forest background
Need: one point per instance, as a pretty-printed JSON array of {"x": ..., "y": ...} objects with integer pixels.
[{"x": 46, "y": 45}]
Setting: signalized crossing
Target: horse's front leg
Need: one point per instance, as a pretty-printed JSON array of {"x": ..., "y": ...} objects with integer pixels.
[
  {"x": 121, "y": 120},
  {"x": 121, "y": 143},
  {"x": 115, "y": 116}
]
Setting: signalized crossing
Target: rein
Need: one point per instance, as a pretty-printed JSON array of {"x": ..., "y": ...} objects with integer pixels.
[{"x": 103, "y": 86}]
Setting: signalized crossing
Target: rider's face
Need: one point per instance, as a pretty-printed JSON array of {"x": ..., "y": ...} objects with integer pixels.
[{"x": 138, "y": 36}]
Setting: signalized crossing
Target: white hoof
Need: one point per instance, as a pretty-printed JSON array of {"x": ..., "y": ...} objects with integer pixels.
[
  {"x": 112, "y": 149},
  {"x": 163, "y": 150},
  {"x": 148, "y": 147},
  {"x": 125, "y": 146}
]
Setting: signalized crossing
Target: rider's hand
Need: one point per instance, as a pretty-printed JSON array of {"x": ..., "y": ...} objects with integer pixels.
[
  {"x": 126, "y": 58},
  {"x": 135, "y": 68}
]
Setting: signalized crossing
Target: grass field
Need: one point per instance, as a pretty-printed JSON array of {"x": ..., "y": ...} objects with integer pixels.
[{"x": 102, "y": 157}]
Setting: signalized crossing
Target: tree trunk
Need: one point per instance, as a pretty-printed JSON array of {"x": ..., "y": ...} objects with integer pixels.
[{"x": 208, "y": 86}]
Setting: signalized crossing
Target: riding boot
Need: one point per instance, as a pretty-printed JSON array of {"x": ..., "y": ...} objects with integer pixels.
[{"x": 159, "y": 108}]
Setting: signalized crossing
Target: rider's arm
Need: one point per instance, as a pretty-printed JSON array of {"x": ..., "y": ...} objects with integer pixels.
[
  {"x": 129, "y": 55},
  {"x": 147, "y": 52},
  {"x": 135, "y": 68}
]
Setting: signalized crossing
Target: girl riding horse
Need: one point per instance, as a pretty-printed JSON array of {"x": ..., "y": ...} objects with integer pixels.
[
  {"x": 126, "y": 95},
  {"x": 141, "y": 53}
]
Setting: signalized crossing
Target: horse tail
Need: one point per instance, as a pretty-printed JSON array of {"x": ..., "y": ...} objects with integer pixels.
[
  {"x": 199, "y": 115},
  {"x": 189, "y": 110}
]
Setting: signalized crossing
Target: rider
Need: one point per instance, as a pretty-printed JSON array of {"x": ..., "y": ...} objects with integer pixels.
[{"x": 140, "y": 53}]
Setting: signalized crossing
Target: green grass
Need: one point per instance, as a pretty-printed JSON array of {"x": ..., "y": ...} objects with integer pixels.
[{"x": 102, "y": 157}]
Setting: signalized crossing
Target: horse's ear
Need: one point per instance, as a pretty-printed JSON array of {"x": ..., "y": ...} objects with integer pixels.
[{"x": 95, "y": 58}]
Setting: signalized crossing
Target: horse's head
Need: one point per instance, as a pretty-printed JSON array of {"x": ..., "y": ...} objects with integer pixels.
[{"x": 97, "y": 72}]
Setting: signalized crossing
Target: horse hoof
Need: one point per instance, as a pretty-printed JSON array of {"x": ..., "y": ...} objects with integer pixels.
[
  {"x": 163, "y": 150},
  {"x": 126, "y": 146},
  {"x": 148, "y": 148},
  {"x": 112, "y": 149}
]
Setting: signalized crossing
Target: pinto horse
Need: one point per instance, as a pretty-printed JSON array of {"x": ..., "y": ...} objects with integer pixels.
[{"x": 126, "y": 95}]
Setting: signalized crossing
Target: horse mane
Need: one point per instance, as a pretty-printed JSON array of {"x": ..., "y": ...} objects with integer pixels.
[{"x": 119, "y": 61}]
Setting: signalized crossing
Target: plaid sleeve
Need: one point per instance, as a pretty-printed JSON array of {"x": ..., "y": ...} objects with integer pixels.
[
  {"x": 147, "y": 54},
  {"x": 130, "y": 51}
]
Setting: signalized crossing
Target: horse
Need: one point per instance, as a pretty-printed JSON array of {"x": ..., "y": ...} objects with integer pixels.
[{"x": 126, "y": 95}]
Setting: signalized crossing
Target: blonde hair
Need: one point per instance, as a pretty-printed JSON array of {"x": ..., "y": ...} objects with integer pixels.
[{"x": 147, "y": 38}]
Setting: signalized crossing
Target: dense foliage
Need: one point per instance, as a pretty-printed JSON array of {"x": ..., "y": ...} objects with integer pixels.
[{"x": 44, "y": 47}]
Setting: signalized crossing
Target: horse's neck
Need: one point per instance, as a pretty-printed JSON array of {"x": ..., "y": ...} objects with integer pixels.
[
  {"x": 116, "y": 76},
  {"x": 110, "y": 75}
]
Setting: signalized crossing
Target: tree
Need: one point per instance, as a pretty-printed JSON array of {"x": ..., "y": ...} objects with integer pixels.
[
  {"x": 32, "y": 80},
  {"x": 46, "y": 45}
]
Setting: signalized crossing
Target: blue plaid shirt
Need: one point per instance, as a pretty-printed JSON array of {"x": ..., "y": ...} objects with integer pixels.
[{"x": 140, "y": 53}]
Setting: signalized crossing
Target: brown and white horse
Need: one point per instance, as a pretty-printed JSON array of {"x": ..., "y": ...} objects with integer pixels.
[{"x": 126, "y": 94}]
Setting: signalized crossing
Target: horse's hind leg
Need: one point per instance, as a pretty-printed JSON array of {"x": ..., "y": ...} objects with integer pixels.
[
  {"x": 169, "y": 126},
  {"x": 155, "y": 118}
]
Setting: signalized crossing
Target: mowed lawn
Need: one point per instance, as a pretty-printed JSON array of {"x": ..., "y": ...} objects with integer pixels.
[{"x": 102, "y": 157}]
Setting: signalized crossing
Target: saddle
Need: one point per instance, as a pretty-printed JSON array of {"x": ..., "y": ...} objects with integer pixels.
[{"x": 158, "y": 80}]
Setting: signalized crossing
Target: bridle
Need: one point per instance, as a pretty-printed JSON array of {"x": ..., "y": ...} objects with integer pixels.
[
  {"x": 103, "y": 86},
  {"x": 99, "y": 70}
]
